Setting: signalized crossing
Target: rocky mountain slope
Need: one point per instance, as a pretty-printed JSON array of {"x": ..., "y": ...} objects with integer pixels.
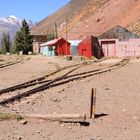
[
  {"x": 95, "y": 17},
  {"x": 135, "y": 27},
  {"x": 11, "y": 25},
  {"x": 58, "y": 17}
]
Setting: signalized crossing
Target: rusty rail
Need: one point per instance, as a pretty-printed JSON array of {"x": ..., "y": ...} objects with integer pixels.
[
  {"x": 35, "y": 81},
  {"x": 55, "y": 82},
  {"x": 9, "y": 64},
  {"x": 40, "y": 79}
]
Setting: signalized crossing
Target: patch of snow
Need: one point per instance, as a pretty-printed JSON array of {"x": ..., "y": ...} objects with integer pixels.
[{"x": 13, "y": 20}]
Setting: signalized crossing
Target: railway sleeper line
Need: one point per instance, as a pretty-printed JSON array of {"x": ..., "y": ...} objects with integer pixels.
[
  {"x": 41, "y": 80},
  {"x": 3, "y": 64},
  {"x": 38, "y": 80},
  {"x": 35, "y": 81},
  {"x": 9, "y": 64},
  {"x": 59, "y": 82}
]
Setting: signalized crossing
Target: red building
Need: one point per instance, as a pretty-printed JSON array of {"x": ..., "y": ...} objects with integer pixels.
[
  {"x": 90, "y": 47},
  {"x": 60, "y": 46}
]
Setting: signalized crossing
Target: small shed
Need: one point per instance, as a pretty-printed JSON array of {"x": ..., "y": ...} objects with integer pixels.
[
  {"x": 121, "y": 49},
  {"x": 117, "y": 42},
  {"x": 74, "y": 47},
  {"x": 90, "y": 47},
  {"x": 55, "y": 47},
  {"x": 120, "y": 33},
  {"x": 47, "y": 50}
]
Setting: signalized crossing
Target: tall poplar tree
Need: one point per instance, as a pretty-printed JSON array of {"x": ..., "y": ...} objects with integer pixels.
[{"x": 5, "y": 44}]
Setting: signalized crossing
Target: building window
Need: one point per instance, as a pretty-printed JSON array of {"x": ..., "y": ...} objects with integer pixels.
[
  {"x": 50, "y": 48},
  {"x": 123, "y": 39},
  {"x": 123, "y": 47}
]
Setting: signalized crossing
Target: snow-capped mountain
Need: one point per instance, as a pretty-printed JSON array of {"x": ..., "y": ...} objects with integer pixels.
[
  {"x": 13, "y": 20},
  {"x": 11, "y": 24}
]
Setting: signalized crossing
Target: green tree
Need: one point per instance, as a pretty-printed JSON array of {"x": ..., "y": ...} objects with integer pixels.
[
  {"x": 51, "y": 35},
  {"x": 5, "y": 43},
  {"x": 23, "y": 40}
]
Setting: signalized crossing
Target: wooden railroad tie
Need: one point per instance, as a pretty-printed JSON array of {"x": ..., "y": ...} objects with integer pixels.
[{"x": 58, "y": 117}]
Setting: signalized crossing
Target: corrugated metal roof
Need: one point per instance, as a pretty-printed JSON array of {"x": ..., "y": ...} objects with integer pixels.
[
  {"x": 74, "y": 42},
  {"x": 118, "y": 32},
  {"x": 53, "y": 42}
]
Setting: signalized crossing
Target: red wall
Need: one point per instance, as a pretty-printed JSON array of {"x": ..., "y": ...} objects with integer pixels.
[
  {"x": 85, "y": 48},
  {"x": 61, "y": 48}
]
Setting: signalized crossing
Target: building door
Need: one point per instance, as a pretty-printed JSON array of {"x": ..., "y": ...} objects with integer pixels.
[
  {"x": 108, "y": 48},
  {"x": 84, "y": 52}
]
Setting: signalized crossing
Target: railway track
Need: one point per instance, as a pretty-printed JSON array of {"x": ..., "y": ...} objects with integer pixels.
[
  {"x": 39, "y": 80},
  {"x": 42, "y": 79},
  {"x": 9, "y": 64},
  {"x": 46, "y": 84}
]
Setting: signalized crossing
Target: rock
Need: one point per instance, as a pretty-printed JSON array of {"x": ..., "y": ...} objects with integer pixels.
[
  {"x": 20, "y": 138},
  {"x": 57, "y": 100},
  {"x": 15, "y": 110},
  {"x": 23, "y": 122},
  {"x": 135, "y": 118},
  {"x": 125, "y": 128},
  {"x": 107, "y": 89},
  {"x": 70, "y": 128},
  {"x": 32, "y": 103},
  {"x": 78, "y": 124},
  {"x": 124, "y": 110},
  {"x": 62, "y": 125},
  {"x": 73, "y": 124},
  {"x": 63, "y": 89},
  {"x": 56, "y": 123},
  {"x": 38, "y": 132}
]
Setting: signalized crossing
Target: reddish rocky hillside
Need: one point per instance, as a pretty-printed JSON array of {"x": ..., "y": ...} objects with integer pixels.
[
  {"x": 135, "y": 27},
  {"x": 58, "y": 17},
  {"x": 97, "y": 16}
]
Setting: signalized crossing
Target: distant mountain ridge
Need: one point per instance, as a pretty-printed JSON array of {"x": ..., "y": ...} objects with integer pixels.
[{"x": 11, "y": 24}]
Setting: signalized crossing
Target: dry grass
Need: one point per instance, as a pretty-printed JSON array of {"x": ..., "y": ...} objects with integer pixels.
[
  {"x": 27, "y": 58},
  {"x": 57, "y": 66},
  {"x": 9, "y": 116}
]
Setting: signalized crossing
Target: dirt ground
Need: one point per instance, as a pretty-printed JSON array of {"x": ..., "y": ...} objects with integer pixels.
[
  {"x": 118, "y": 103},
  {"x": 31, "y": 68}
]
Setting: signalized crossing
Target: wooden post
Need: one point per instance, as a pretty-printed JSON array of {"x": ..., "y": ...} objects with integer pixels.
[
  {"x": 56, "y": 32},
  {"x": 93, "y": 104},
  {"x": 66, "y": 37}
]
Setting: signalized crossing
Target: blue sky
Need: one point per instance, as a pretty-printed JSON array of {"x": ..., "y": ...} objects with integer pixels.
[{"x": 34, "y": 10}]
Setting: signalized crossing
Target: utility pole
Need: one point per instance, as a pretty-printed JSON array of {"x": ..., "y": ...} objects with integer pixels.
[
  {"x": 56, "y": 34},
  {"x": 66, "y": 37}
]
